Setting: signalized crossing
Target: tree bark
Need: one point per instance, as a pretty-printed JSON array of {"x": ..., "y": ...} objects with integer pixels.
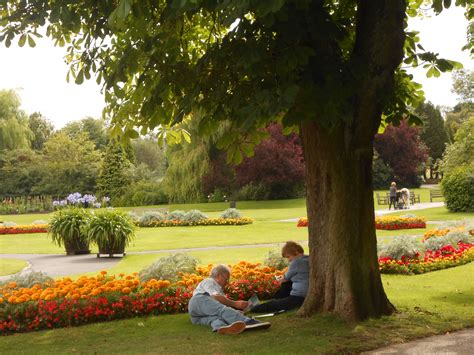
[{"x": 344, "y": 276}]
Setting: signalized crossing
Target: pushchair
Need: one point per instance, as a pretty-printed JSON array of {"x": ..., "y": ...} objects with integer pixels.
[
  {"x": 403, "y": 203},
  {"x": 399, "y": 203}
]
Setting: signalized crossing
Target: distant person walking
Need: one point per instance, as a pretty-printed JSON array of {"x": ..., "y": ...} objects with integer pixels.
[{"x": 393, "y": 196}]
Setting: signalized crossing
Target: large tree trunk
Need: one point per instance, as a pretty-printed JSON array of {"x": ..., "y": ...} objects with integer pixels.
[
  {"x": 344, "y": 275},
  {"x": 344, "y": 270}
]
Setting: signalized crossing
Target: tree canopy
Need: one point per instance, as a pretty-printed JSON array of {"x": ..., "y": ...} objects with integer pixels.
[
  {"x": 14, "y": 131},
  {"x": 331, "y": 69}
]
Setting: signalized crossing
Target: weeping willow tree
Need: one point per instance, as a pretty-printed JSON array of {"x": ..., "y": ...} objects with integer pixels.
[
  {"x": 188, "y": 162},
  {"x": 14, "y": 131}
]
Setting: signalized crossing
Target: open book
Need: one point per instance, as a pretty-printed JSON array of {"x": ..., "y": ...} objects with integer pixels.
[{"x": 252, "y": 302}]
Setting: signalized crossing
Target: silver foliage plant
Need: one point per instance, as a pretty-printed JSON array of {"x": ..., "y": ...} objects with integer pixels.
[
  {"x": 400, "y": 246},
  {"x": 194, "y": 216},
  {"x": 28, "y": 279},
  {"x": 274, "y": 259},
  {"x": 149, "y": 217},
  {"x": 232, "y": 213},
  {"x": 169, "y": 267},
  {"x": 177, "y": 215},
  {"x": 452, "y": 238}
]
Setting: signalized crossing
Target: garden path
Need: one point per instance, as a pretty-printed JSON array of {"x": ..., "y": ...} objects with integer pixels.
[{"x": 460, "y": 342}]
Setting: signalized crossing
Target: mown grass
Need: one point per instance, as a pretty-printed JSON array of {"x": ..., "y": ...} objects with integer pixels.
[
  {"x": 11, "y": 266},
  {"x": 281, "y": 209},
  {"x": 427, "y": 304},
  {"x": 163, "y": 238},
  {"x": 437, "y": 214}
]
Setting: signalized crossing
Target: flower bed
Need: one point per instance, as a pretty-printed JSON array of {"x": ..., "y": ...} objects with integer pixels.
[
  {"x": 443, "y": 231},
  {"x": 204, "y": 222},
  {"x": 388, "y": 223},
  {"x": 27, "y": 228},
  {"x": 395, "y": 223},
  {"x": 105, "y": 297},
  {"x": 443, "y": 258}
]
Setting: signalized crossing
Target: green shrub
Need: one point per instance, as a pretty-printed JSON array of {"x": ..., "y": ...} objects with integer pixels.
[
  {"x": 67, "y": 226},
  {"x": 143, "y": 194},
  {"x": 29, "y": 279},
  {"x": 217, "y": 196},
  {"x": 169, "y": 267},
  {"x": 382, "y": 174},
  {"x": 177, "y": 215},
  {"x": 150, "y": 216},
  {"x": 274, "y": 259},
  {"x": 194, "y": 216},
  {"x": 231, "y": 213},
  {"x": 400, "y": 246},
  {"x": 254, "y": 192},
  {"x": 111, "y": 230},
  {"x": 458, "y": 189}
]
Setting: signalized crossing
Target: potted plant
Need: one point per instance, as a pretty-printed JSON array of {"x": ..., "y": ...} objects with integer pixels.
[
  {"x": 112, "y": 231},
  {"x": 67, "y": 226}
]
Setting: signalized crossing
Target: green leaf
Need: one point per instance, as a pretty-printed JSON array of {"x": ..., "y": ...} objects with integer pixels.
[
  {"x": 22, "y": 40},
  {"x": 186, "y": 135},
  {"x": 80, "y": 77},
  {"x": 31, "y": 42},
  {"x": 248, "y": 149}
]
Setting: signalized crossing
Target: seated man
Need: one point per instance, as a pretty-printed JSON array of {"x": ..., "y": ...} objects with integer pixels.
[
  {"x": 209, "y": 306},
  {"x": 295, "y": 283}
]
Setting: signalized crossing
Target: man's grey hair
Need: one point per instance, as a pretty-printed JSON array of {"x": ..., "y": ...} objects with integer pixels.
[{"x": 220, "y": 270}]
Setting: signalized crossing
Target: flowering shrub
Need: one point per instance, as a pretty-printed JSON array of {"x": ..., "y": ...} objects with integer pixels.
[
  {"x": 24, "y": 229},
  {"x": 395, "y": 223},
  {"x": 65, "y": 302},
  {"x": 302, "y": 222},
  {"x": 78, "y": 200}
]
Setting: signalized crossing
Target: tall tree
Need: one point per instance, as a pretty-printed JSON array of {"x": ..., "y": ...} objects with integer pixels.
[
  {"x": 113, "y": 179},
  {"x": 463, "y": 85},
  {"x": 148, "y": 152},
  {"x": 68, "y": 165},
  {"x": 41, "y": 129},
  {"x": 461, "y": 152},
  {"x": 330, "y": 68},
  {"x": 278, "y": 164},
  {"x": 20, "y": 172},
  {"x": 94, "y": 128},
  {"x": 401, "y": 149},
  {"x": 14, "y": 131},
  {"x": 433, "y": 134}
]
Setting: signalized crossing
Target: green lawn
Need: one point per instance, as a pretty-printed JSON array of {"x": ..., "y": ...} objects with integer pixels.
[
  {"x": 11, "y": 266},
  {"x": 437, "y": 214},
  {"x": 428, "y": 304}
]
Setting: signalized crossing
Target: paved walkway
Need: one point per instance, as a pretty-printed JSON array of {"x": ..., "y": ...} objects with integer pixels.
[{"x": 461, "y": 342}]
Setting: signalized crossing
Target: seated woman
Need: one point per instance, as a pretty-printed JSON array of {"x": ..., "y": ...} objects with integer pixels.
[{"x": 294, "y": 284}]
